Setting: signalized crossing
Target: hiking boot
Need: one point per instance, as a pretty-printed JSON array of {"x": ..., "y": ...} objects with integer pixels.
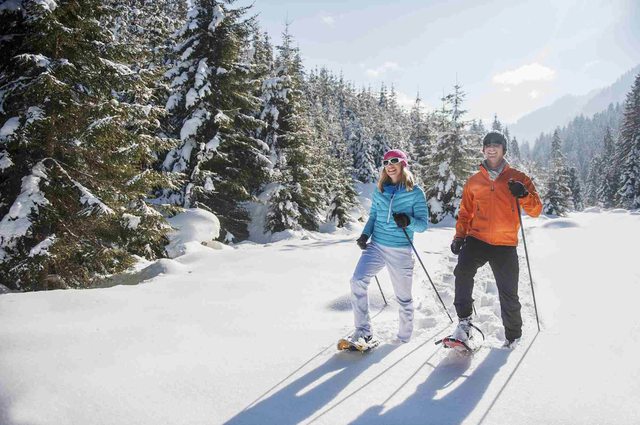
[
  {"x": 463, "y": 330},
  {"x": 358, "y": 334},
  {"x": 511, "y": 343}
]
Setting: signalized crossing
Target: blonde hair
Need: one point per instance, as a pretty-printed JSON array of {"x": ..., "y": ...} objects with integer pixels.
[{"x": 406, "y": 179}]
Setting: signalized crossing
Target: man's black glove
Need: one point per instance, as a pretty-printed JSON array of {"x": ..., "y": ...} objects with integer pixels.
[
  {"x": 362, "y": 241},
  {"x": 517, "y": 189},
  {"x": 401, "y": 219},
  {"x": 456, "y": 245}
]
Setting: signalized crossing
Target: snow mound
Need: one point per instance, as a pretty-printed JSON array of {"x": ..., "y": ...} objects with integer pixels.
[
  {"x": 560, "y": 223},
  {"x": 618, "y": 211},
  {"x": 193, "y": 225},
  {"x": 147, "y": 272},
  {"x": 290, "y": 234},
  {"x": 592, "y": 210}
]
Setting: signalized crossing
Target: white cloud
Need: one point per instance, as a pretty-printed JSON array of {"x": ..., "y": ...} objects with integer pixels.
[
  {"x": 534, "y": 94},
  {"x": 530, "y": 72},
  {"x": 329, "y": 20},
  {"x": 382, "y": 69}
]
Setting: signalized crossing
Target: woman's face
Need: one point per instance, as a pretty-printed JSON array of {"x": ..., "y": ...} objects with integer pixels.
[{"x": 394, "y": 171}]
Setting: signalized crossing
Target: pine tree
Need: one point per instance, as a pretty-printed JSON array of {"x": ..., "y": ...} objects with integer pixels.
[
  {"x": 382, "y": 98},
  {"x": 398, "y": 125},
  {"x": 496, "y": 124},
  {"x": 452, "y": 160},
  {"x": 607, "y": 191},
  {"x": 295, "y": 202},
  {"x": 77, "y": 139},
  {"x": 359, "y": 135},
  {"x": 629, "y": 149},
  {"x": 342, "y": 195},
  {"x": 584, "y": 139},
  {"x": 536, "y": 172},
  {"x": 327, "y": 151},
  {"x": 476, "y": 133},
  {"x": 147, "y": 27},
  {"x": 594, "y": 181},
  {"x": 514, "y": 152},
  {"x": 477, "y": 128},
  {"x": 525, "y": 150},
  {"x": 220, "y": 163},
  {"x": 262, "y": 61},
  {"x": 576, "y": 190},
  {"x": 557, "y": 196},
  {"x": 419, "y": 140},
  {"x": 383, "y": 137}
]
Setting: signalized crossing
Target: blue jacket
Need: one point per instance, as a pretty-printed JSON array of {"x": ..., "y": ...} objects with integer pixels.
[{"x": 396, "y": 199}]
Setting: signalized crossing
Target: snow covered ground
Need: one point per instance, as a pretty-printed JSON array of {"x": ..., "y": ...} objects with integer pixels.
[{"x": 247, "y": 336}]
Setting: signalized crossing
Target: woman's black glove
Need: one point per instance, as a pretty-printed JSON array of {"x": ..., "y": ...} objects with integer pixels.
[
  {"x": 362, "y": 241},
  {"x": 517, "y": 189},
  {"x": 456, "y": 245},
  {"x": 401, "y": 219}
]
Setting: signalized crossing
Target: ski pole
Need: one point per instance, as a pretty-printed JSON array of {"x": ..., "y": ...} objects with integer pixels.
[
  {"x": 526, "y": 252},
  {"x": 425, "y": 270},
  {"x": 380, "y": 288}
]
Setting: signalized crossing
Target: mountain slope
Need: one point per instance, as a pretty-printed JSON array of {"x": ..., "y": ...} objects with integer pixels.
[{"x": 563, "y": 110}]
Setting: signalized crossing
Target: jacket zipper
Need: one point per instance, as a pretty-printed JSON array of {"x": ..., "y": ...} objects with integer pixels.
[
  {"x": 491, "y": 215},
  {"x": 390, "y": 206}
]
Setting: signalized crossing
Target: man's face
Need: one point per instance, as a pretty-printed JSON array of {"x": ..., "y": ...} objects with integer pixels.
[{"x": 493, "y": 152}]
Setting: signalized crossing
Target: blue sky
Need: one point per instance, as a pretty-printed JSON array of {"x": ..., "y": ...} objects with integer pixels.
[{"x": 510, "y": 56}]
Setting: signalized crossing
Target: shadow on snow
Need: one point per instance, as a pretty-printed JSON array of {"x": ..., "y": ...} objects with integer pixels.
[
  {"x": 428, "y": 406},
  {"x": 311, "y": 392}
]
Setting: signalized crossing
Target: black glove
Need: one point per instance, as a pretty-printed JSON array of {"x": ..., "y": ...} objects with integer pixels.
[
  {"x": 362, "y": 241},
  {"x": 401, "y": 219},
  {"x": 456, "y": 245},
  {"x": 517, "y": 189}
]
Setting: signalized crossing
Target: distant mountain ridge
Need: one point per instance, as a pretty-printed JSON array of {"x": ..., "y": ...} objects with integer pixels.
[{"x": 563, "y": 110}]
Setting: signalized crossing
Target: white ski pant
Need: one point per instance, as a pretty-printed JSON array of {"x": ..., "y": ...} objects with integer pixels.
[{"x": 399, "y": 262}]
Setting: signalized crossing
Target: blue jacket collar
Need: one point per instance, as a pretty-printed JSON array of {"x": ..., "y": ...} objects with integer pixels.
[{"x": 394, "y": 188}]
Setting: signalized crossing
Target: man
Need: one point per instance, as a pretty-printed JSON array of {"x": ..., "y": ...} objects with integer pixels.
[{"x": 487, "y": 231}]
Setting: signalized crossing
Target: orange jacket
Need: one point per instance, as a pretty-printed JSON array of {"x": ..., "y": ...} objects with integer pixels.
[{"x": 488, "y": 209}]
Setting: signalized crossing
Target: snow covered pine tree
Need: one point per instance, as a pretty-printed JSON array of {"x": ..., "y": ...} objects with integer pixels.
[
  {"x": 294, "y": 200},
  {"x": 74, "y": 174},
  {"x": 452, "y": 159},
  {"x": 558, "y": 195},
  {"x": 219, "y": 163},
  {"x": 630, "y": 149}
]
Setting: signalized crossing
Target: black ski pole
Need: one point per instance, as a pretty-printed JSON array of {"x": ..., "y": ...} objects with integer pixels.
[
  {"x": 425, "y": 270},
  {"x": 380, "y": 288},
  {"x": 526, "y": 253}
]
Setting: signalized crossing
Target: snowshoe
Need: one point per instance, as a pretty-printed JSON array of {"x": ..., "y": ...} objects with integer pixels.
[
  {"x": 470, "y": 346},
  {"x": 362, "y": 344}
]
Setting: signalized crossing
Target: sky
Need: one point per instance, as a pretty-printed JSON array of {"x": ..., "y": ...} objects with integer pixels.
[{"x": 511, "y": 57}]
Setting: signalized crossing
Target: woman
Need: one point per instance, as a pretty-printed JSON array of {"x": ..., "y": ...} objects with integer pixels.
[{"x": 397, "y": 204}]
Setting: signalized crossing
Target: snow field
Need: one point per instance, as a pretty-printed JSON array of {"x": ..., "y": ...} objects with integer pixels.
[{"x": 247, "y": 336}]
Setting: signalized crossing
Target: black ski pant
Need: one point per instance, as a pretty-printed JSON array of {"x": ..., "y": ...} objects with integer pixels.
[{"x": 504, "y": 264}]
